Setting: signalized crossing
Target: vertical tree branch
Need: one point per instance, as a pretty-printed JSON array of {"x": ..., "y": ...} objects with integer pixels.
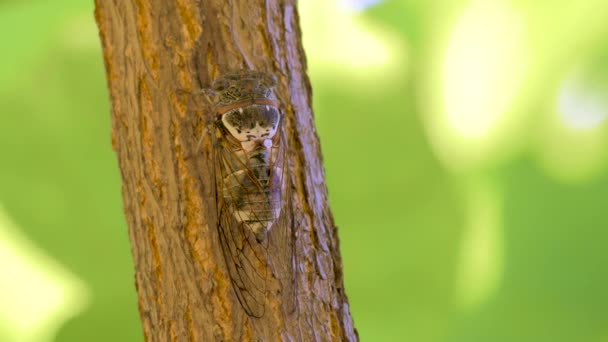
[{"x": 155, "y": 53}]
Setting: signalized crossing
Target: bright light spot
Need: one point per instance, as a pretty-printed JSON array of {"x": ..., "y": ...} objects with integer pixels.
[
  {"x": 37, "y": 294},
  {"x": 475, "y": 87},
  {"x": 573, "y": 139},
  {"x": 483, "y": 69},
  {"x": 581, "y": 108},
  {"x": 359, "y": 5},
  {"x": 480, "y": 268},
  {"x": 336, "y": 39}
]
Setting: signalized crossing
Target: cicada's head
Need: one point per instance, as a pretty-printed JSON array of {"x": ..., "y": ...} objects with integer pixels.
[
  {"x": 248, "y": 107},
  {"x": 243, "y": 85}
]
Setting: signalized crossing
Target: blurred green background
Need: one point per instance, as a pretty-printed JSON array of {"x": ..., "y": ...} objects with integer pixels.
[{"x": 466, "y": 150}]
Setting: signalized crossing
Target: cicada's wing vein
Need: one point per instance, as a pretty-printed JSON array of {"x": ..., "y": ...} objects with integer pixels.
[
  {"x": 282, "y": 235},
  {"x": 249, "y": 261},
  {"x": 246, "y": 258}
]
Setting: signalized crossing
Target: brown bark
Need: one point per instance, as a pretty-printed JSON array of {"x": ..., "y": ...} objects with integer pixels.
[{"x": 157, "y": 54}]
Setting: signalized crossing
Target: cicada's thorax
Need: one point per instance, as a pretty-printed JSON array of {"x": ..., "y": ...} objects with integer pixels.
[{"x": 253, "y": 182}]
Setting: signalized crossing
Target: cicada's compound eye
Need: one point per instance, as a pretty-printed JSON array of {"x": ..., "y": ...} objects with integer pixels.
[
  {"x": 220, "y": 85},
  {"x": 269, "y": 80}
]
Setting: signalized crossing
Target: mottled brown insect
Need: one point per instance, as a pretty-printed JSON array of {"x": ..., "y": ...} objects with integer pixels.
[{"x": 254, "y": 213}]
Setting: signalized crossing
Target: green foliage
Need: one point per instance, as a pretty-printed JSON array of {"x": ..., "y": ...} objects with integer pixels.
[{"x": 447, "y": 234}]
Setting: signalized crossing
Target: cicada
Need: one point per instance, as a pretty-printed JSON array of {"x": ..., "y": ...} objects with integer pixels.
[{"x": 254, "y": 214}]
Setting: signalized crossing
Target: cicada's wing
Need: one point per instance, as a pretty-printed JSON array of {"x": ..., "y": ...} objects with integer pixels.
[
  {"x": 250, "y": 260},
  {"x": 282, "y": 235},
  {"x": 246, "y": 258}
]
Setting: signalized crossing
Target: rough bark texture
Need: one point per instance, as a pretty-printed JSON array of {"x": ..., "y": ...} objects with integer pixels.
[{"x": 157, "y": 54}]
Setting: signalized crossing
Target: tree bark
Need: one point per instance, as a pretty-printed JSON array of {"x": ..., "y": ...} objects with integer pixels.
[{"x": 157, "y": 54}]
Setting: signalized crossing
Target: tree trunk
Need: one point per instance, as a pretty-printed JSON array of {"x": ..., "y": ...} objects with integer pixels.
[{"x": 158, "y": 54}]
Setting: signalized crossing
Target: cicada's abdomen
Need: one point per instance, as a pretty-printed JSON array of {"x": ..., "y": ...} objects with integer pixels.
[{"x": 253, "y": 185}]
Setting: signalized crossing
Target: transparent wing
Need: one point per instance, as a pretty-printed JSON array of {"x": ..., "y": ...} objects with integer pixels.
[
  {"x": 249, "y": 260},
  {"x": 282, "y": 237},
  {"x": 245, "y": 257}
]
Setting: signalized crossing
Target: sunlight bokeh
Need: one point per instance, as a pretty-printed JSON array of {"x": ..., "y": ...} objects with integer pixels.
[
  {"x": 37, "y": 294},
  {"x": 484, "y": 66},
  {"x": 573, "y": 146},
  {"x": 473, "y": 119},
  {"x": 339, "y": 41}
]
